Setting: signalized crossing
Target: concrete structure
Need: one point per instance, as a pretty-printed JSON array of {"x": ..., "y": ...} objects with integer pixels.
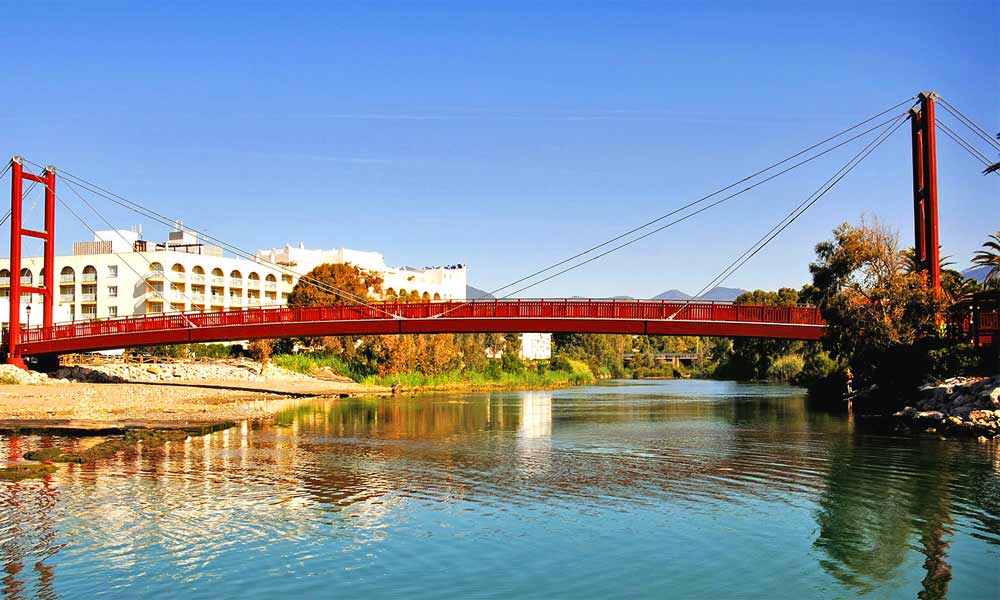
[
  {"x": 119, "y": 274},
  {"x": 536, "y": 346}
]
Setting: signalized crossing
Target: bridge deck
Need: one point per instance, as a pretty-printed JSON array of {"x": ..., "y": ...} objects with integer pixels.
[{"x": 496, "y": 316}]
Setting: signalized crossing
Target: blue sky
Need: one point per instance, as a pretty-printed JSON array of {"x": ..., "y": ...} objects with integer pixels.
[{"x": 505, "y": 136}]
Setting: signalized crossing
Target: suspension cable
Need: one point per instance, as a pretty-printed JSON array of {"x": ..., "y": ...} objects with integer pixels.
[
  {"x": 142, "y": 255},
  {"x": 691, "y": 214},
  {"x": 792, "y": 216},
  {"x": 965, "y": 144},
  {"x": 970, "y": 123},
  {"x": 153, "y": 215},
  {"x": 710, "y": 195}
]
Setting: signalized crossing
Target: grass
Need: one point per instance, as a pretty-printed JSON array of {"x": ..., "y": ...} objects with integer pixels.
[
  {"x": 307, "y": 363},
  {"x": 579, "y": 374},
  {"x": 454, "y": 380}
]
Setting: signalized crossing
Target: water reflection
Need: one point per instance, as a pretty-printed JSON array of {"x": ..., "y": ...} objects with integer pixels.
[{"x": 670, "y": 482}]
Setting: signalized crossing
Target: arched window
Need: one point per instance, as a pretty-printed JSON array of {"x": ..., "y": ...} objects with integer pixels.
[
  {"x": 253, "y": 277},
  {"x": 197, "y": 270},
  {"x": 26, "y": 276},
  {"x": 235, "y": 274},
  {"x": 403, "y": 293},
  {"x": 271, "y": 278},
  {"x": 437, "y": 297},
  {"x": 426, "y": 297},
  {"x": 217, "y": 272},
  {"x": 5, "y": 273},
  {"x": 67, "y": 275},
  {"x": 178, "y": 268},
  {"x": 155, "y": 268}
]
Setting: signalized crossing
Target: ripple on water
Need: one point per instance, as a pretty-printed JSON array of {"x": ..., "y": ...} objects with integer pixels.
[{"x": 647, "y": 489}]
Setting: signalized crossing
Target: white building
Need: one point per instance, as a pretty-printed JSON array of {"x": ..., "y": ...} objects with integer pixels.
[
  {"x": 536, "y": 346},
  {"x": 432, "y": 283},
  {"x": 119, "y": 274}
]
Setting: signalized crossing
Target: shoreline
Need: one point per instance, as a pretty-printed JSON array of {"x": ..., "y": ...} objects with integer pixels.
[{"x": 78, "y": 408}]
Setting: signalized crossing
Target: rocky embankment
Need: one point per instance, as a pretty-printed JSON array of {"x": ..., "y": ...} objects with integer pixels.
[
  {"x": 152, "y": 373},
  {"x": 958, "y": 406}
]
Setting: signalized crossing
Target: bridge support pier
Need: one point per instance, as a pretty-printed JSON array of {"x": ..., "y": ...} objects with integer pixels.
[
  {"x": 17, "y": 230},
  {"x": 925, "y": 193}
]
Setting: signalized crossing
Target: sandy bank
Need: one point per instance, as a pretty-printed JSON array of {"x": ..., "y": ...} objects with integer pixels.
[{"x": 178, "y": 401}]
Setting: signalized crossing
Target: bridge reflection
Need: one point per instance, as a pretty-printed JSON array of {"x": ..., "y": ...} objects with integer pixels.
[{"x": 350, "y": 470}]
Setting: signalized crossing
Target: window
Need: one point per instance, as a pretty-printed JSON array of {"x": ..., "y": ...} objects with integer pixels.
[
  {"x": 112, "y": 271},
  {"x": 112, "y": 311},
  {"x": 113, "y": 291}
]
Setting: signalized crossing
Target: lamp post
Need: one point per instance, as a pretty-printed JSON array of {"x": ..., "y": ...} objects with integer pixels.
[{"x": 27, "y": 310}]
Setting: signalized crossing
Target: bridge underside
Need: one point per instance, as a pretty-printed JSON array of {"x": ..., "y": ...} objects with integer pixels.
[{"x": 107, "y": 339}]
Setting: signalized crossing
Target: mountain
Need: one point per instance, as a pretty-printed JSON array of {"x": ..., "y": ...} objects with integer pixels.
[
  {"x": 672, "y": 295},
  {"x": 720, "y": 294},
  {"x": 977, "y": 273},
  {"x": 473, "y": 293}
]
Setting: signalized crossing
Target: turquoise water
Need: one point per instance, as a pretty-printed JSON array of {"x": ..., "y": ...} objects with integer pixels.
[{"x": 674, "y": 489}]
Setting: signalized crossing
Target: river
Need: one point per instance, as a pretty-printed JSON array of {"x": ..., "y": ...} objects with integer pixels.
[{"x": 654, "y": 489}]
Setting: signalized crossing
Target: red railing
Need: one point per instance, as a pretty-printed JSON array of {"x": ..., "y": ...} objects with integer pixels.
[{"x": 499, "y": 309}]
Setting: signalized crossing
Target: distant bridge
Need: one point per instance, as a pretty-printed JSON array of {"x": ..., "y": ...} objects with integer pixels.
[{"x": 636, "y": 317}]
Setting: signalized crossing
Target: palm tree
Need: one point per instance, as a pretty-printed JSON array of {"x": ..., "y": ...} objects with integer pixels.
[
  {"x": 912, "y": 265},
  {"x": 995, "y": 166},
  {"x": 989, "y": 257}
]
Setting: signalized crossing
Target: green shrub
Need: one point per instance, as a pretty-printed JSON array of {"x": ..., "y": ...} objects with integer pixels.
[{"x": 785, "y": 368}]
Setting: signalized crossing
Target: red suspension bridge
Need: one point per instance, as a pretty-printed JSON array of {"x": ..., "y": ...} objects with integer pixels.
[{"x": 505, "y": 315}]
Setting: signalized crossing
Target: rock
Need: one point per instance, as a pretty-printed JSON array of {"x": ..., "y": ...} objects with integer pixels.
[
  {"x": 961, "y": 410},
  {"x": 982, "y": 416},
  {"x": 930, "y": 415}
]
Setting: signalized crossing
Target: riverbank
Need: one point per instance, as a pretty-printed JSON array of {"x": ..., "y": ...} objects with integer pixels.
[
  {"x": 116, "y": 395},
  {"x": 543, "y": 375},
  {"x": 961, "y": 406}
]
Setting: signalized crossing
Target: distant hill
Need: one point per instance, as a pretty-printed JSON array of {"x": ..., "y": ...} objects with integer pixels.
[
  {"x": 474, "y": 293},
  {"x": 977, "y": 273},
  {"x": 719, "y": 294}
]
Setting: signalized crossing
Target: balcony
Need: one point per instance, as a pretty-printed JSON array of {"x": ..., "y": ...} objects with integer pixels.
[
  {"x": 197, "y": 298},
  {"x": 88, "y": 297},
  {"x": 218, "y": 300},
  {"x": 67, "y": 278},
  {"x": 218, "y": 280},
  {"x": 253, "y": 301},
  {"x": 197, "y": 278},
  {"x": 67, "y": 297},
  {"x": 152, "y": 275},
  {"x": 270, "y": 285},
  {"x": 91, "y": 277},
  {"x": 4, "y": 280},
  {"x": 253, "y": 284},
  {"x": 26, "y": 281},
  {"x": 234, "y": 282}
]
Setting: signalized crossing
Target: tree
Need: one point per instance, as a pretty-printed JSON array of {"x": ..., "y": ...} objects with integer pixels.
[
  {"x": 753, "y": 358},
  {"x": 337, "y": 283},
  {"x": 989, "y": 257},
  {"x": 994, "y": 167},
  {"x": 873, "y": 306},
  {"x": 260, "y": 350}
]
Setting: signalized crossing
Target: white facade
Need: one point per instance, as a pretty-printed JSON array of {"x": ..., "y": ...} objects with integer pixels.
[
  {"x": 117, "y": 275},
  {"x": 536, "y": 346},
  {"x": 431, "y": 283}
]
